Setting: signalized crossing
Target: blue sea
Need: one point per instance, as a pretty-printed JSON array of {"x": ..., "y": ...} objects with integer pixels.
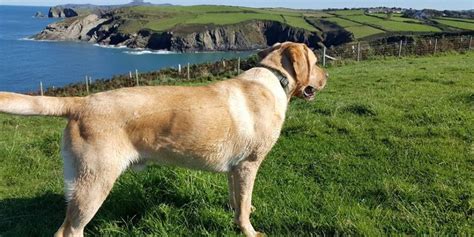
[{"x": 24, "y": 63}]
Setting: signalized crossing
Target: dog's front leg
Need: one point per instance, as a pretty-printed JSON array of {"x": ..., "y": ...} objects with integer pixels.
[{"x": 243, "y": 179}]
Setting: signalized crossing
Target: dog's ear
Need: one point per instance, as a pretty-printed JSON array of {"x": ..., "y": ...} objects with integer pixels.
[
  {"x": 262, "y": 54},
  {"x": 296, "y": 61}
]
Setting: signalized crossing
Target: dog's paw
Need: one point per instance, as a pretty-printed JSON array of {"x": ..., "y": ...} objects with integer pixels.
[{"x": 260, "y": 234}]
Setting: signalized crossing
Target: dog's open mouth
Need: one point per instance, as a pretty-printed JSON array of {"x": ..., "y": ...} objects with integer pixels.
[{"x": 309, "y": 92}]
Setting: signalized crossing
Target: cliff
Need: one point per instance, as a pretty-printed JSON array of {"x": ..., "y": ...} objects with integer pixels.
[
  {"x": 61, "y": 12},
  {"x": 246, "y": 35}
]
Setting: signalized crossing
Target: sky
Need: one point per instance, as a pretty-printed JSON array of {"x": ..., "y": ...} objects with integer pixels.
[{"x": 302, "y": 4}]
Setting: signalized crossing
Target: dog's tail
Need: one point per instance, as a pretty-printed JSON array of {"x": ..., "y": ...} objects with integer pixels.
[{"x": 13, "y": 103}]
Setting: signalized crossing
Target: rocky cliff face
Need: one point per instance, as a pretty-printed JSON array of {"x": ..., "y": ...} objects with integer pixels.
[
  {"x": 242, "y": 36},
  {"x": 73, "y": 30},
  {"x": 61, "y": 12}
]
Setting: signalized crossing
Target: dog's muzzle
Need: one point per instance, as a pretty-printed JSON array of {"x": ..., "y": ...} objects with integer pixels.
[{"x": 309, "y": 92}]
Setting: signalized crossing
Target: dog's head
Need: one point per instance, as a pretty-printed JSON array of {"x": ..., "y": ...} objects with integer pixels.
[{"x": 298, "y": 63}]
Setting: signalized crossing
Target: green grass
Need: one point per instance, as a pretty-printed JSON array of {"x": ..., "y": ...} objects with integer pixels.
[
  {"x": 348, "y": 12},
  {"x": 385, "y": 149},
  {"x": 318, "y": 14},
  {"x": 397, "y": 17},
  {"x": 359, "y": 30},
  {"x": 169, "y": 18},
  {"x": 162, "y": 18},
  {"x": 458, "y": 19},
  {"x": 232, "y": 18},
  {"x": 391, "y": 25},
  {"x": 299, "y": 22},
  {"x": 457, "y": 24}
]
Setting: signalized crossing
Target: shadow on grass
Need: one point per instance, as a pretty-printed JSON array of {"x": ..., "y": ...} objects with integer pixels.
[
  {"x": 156, "y": 204},
  {"x": 35, "y": 216}
]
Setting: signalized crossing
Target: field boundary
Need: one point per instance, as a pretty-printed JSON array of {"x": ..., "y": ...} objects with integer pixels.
[
  {"x": 201, "y": 73},
  {"x": 404, "y": 46}
]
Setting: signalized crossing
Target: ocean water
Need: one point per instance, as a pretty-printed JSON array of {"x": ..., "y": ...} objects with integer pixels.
[{"x": 24, "y": 63}]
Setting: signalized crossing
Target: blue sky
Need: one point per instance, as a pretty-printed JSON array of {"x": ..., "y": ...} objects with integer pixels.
[{"x": 312, "y": 4}]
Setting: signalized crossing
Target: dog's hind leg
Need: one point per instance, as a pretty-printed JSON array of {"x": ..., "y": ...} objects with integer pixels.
[
  {"x": 85, "y": 194},
  {"x": 89, "y": 173}
]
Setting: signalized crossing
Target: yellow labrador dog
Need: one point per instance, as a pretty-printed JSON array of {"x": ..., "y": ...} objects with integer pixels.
[{"x": 228, "y": 126}]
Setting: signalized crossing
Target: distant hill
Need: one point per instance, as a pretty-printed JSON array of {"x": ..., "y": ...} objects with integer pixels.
[
  {"x": 61, "y": 11},
  {"x": 211, "y": 27}
]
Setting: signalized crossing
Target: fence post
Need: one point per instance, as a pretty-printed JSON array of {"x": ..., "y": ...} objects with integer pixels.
[
  {"x": 136, "y": 76},
  {"x": 324, "y": 56},
  {"x": 223, "y": 64},
  {"x": 238, "y": 65},
  {"x": 130, "y": 74},
  {"x": 179, "y": 69},
  {"x": 41, "y": 88},
  {"x": 189, "y": 76},
  {"x": 358, "y": 51},
  {"x": 400, "y": 49},
  {"x": 87, "y": 85},
  {"x": 436, "y": 45}
]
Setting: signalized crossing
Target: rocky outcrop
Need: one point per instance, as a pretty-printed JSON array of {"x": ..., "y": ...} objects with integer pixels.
[
  {"x": 61, "y": 12},
  {"x": 243, "y": 36},
  {"x": 76, "y": 30},
  {"x": 248, "y": 35},
  {"x": 39, "y": 15}
]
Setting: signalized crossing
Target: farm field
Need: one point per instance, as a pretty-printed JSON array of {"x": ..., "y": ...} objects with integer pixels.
[
  {"x": 390, "y": 25},
  {"x": 347, "y": 12},
  {"x": 385, "y": 149},
  {"x": 163, "y": 18},
  {"x": 458, "y": 24},
  {"x": 166, "y": 17},
  {"x": 359, "y": 30},
  {"x": 397, "y": 17},
  {"x": 457, "y": 19}
]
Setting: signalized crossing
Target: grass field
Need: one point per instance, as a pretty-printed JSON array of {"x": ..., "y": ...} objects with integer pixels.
[
  {"x": 458, "y": 19},
  {"x": 385, "y": 149},
  {"x": 396, "y": 17},
  {"x": 359, "y": 30},
  {"x": 390, "y": 25},
  {"x": 458, "y": 24},
  {"x": 163, "y": 18},
  {"x": 348, "y": 12},
  {"x": 299, "y": 21}
]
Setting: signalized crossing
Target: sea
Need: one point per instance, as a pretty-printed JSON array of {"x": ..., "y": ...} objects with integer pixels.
[{"x": 25, "y": 63}]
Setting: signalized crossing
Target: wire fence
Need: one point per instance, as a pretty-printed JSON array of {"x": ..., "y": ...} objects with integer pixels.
[
  {"x": 358, "y": 51},
  {"x": 223, "y": 69}
]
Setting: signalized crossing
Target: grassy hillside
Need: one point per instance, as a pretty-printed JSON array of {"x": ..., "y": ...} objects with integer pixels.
[
  {"x": 392, "y": 25},
  {"x": 461, "y": 24},
  {"x": 359, "y": 30},
  {"x": 364, "y": 25},
  {"x": 161, "y": 18},
  {"x": 386, "y": 148},
  {"x": 165, "y": 18}
]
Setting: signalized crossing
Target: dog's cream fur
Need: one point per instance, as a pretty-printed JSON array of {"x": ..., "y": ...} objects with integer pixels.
[{"x": 228, "y": 126}]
